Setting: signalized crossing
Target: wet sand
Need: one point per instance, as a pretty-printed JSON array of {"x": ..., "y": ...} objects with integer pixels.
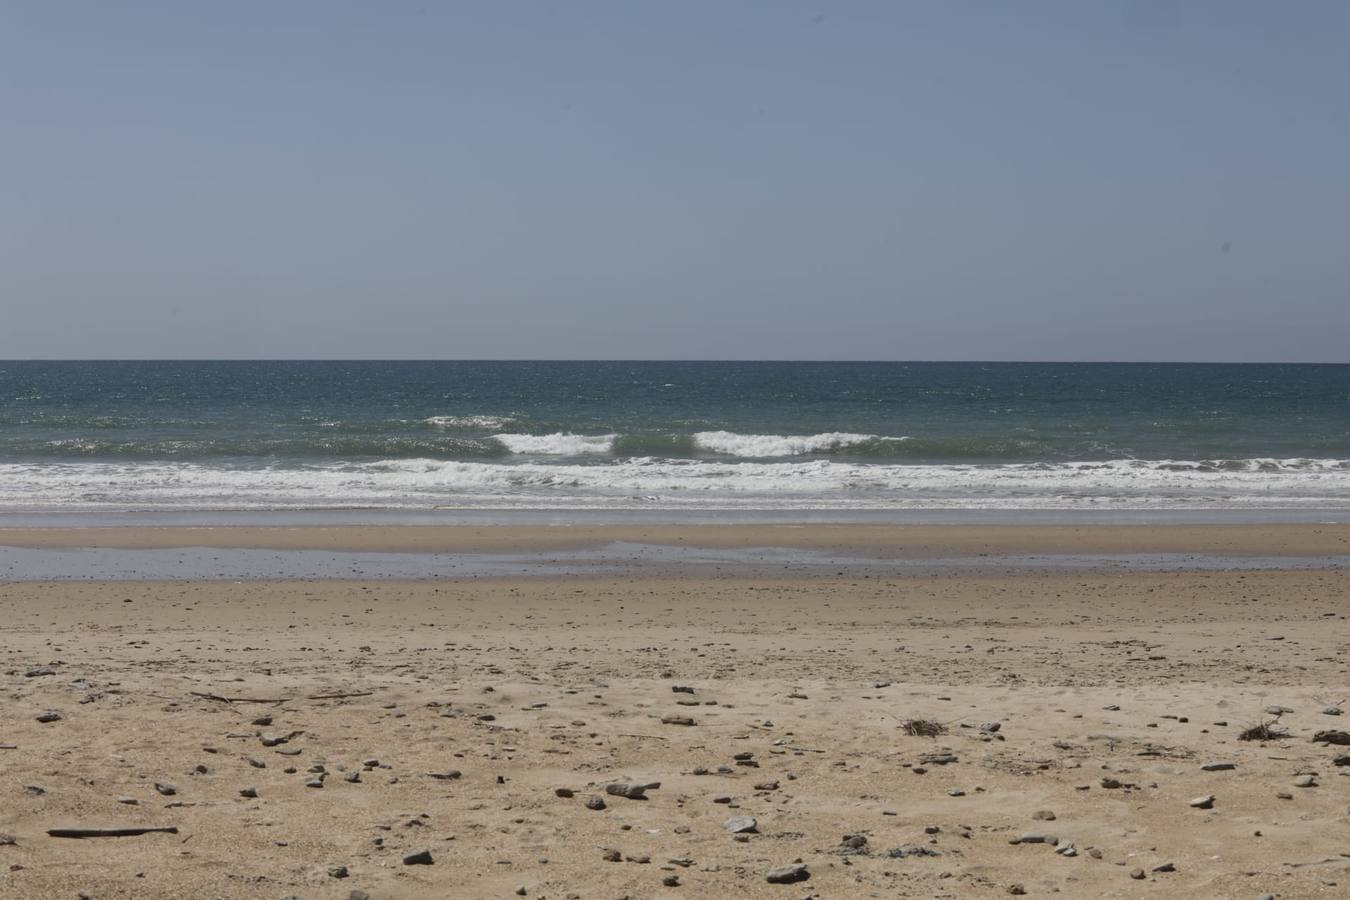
[{"x": 1093, "y": 697}]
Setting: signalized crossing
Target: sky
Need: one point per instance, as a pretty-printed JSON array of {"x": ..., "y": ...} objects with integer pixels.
[{"x": 1155, "y": 180}]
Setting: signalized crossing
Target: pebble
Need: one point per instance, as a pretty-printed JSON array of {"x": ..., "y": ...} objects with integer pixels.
[
  {"x": 165, "y": 788},
  {"x": 595, "y": 803},
  {"x": 671, "y": 881},
  {"x": 129, "y": 801},
  {"x": 722, "y": 798},
  {"x": 1036, "y": 837},
  {"x": 1043, "y": 815},
  {"x": 630, "y": 790},
  {"x": 787, "y": 874},
  {"x": 1165, "y": 867},
  {"x": 1332, "y": 711},
  {"x": 49, "y": 716},
  {"x": 741, "y": 825},
  {"x": 676, "y": 720},
  {"x": 1305, "y": 781},
  {"x": 337, "y": 871},
  {"x": 418, "y": 858},
  {"x": 565, "y": 793},
  {"x": 1138, "y": 875},
  {"x": 358, "y": 895},
  {"x": 1205, "y": 802},
  {"x": 612, "y": 856},
  {"x": 249, "y": 792},
  {"x": 1218, "y": 767}
]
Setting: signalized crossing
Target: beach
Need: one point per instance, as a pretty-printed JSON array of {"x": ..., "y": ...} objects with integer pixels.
[{"x": 304, "y": 736}]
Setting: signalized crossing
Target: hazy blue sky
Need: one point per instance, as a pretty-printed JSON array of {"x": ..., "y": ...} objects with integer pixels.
[{"x": 889, "y": 180}]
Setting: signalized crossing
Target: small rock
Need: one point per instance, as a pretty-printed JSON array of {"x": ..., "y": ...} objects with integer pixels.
[
  {"x": 787, "y": 874},
  {"x": 1043, "y": 815},
  {"x": 671, "y": 881},
  {"x": 165, "y": 788},
  {"x": 1205, "y": 802},
  {"x": 1332, "y": 711},
  {"x": 612, "y": 856},
  {"x": 249, "y": 792},
  {"x": 741, "y": 825},
  {"x": 1110, "y": 783},
  {"x": 264, "y": 721},
  {"x": 1036, "y": 837},
  {"x": 676, "y": 720},
  {"x": 418, "y": 858},
  {"x": 1138, "y": 875},
  {"x": 1322, "y": 737},
  {"x": 358, "y": 895},
  {"x": 565, "y": 793},
  {"x": 1016, "y": 889},
  {"x": 337, "y": 871},
  {"x": 1169, "y": 867},
  {"x": 595, "y": 803},
  {"x": 1305, "y": 781},
  {"x": 49, "y": 716},
  {"x": 627, "y": 789},
  {"x": 1218, "y": 767}
]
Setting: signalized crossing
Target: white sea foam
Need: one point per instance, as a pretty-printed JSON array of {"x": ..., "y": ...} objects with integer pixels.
[
  {"x": 765, "y": 446},
  {"x": 485, "y": 422},
  {"x": 557, "y": 444},
  {"x": 682, "y": 484}
]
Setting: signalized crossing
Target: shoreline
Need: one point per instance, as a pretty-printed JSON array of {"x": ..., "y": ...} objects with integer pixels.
[{"x": 881, "y": 542}]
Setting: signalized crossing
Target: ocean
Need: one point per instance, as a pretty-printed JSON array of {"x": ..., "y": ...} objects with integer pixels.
[{"x": 676, "y": 437}]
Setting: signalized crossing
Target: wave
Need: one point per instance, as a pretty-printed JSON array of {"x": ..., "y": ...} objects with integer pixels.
[
  {"x": 770, "y": 445},
  {"x": 488, "y": 423},
  {"x": 556, "y": 444},
  {"x": 681, "y": 484}
]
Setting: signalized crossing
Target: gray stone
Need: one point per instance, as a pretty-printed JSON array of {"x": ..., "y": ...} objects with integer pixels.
[
  {"x": 787, "y": 874},
  {"x": 595, "y": 803},
  {"x": 1305, "y": 781},
  {"x": 741, "y": 825},
  {"x": 418, "y": 858},
  {"x": 165, "y": 788},
  {"x": 1218, "y": 767},
  {"x": 49, "y": 716},
  {"x": 337, "y": 871},
  {"x": 249, "y": 792},
  {"x": 1036, "y": 837},
  {"x": 1205, "y": 802},
  {"x": 631, "y": 790}
]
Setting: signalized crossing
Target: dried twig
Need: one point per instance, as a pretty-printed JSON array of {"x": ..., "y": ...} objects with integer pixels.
[
  {"x": 108, "y": 832},
  {"x": 340, "y": 696},
  {"x": 239, "y": 699}
]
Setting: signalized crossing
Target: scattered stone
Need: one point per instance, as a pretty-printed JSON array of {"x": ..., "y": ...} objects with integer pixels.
[
  {"x": 787, "y": 874},
  {"x": 612, "y": 856},
  {"x": 741, "y": 825},
  {"x": 249, "y": 792},
  {"x": 1218, "y": 767},
  {"x": 1016, "y": 889},
  {"x": 912, "y": 850},
  {"x": 722, "y": 798},
  {"x": 1036, "y": 837},
  {"x": 681, "y": 689},
  {"x": 1341, "y": 738},
  {"x": 767, "y": 786},
  {"x": 263, "y": 721},
  {"x": 565, "y": 793},
  {"x": 626, "y": 789},
  {"x": 676, "y": 720},
  {"x": 671, "y": 881},
  {"x": 1110, "y": 783},
  {"x": 1205, "y": 802},
  {"x": 49, "y": 716},
  {"x": 314, "y": 783},
  {"x": 595, "y": 803},
  {"x": 1043, "y": 815},
  {"x": 1332, "y": 711},
  {"x": 1138, "y": 875},
  {"x": 1305, "y": 781},
  {"x": 1169, "y": 867},
  {"x": 337, "y": 871},
  {"x": 165, "y": 788},
  {"x": 418, "y": 858},
  {"x": 1341, "y": 761}
]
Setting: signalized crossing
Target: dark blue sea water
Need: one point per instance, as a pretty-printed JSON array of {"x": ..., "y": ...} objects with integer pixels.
[{"x": 671, "y": 435}]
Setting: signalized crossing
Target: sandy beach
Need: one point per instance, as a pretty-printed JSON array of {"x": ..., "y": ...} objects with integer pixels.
[{"x": 304, "y": 737}]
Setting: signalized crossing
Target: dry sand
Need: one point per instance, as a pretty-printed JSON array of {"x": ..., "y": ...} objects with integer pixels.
[{"x": 527, "y": 686}]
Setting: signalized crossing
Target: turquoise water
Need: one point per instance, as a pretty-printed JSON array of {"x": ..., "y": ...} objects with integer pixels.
[{"x": 671, "y": 435}]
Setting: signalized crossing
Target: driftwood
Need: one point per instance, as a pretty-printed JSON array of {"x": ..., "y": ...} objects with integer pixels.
[
  {"x": 223, "y": 699},
  {"x": 9, "y": 746},
  {"x": 108, "y": 832},
  {"x": 239, "y": 699}
]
